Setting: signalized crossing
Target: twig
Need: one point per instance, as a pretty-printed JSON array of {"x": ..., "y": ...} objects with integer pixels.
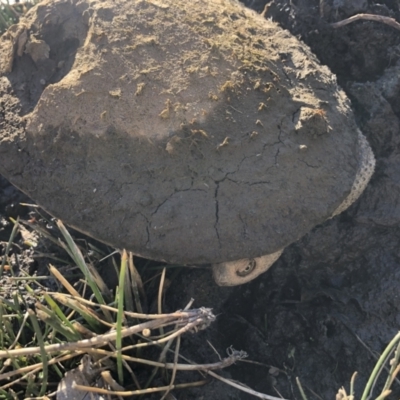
[
  {"x": 244, "y": 388},
  {"x": 22, "y": 370},
  {"x": 369, "y": 17},
  {"x": 23, "y": 377},
  {"x": 162, "y": 357},
  {"x": 224, "y": 363},
  {"x": 126, "y": 365},
  {"x": 174, "y": 369},
  {"x": 160, "y": 293},
  {"x": 137, "y": 392}
]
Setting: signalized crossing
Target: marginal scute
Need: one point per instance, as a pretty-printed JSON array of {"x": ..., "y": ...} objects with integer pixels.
[{"x": 364, "y": 173}]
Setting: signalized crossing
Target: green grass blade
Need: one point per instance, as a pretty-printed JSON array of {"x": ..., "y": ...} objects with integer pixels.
[
  {"x": 85, "y": 312},
  {"x": 43, "y": 353},
  {"x": 378, "y": 366},
  {"x": 54, "y": 307},
  {"x": 120, "y": 315},
  {"x": 50, "y": 318},
  {"x": 77, "y": 256}
]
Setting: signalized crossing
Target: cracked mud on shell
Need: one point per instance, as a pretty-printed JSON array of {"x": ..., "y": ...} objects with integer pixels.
[{"x": 185, "y": 134}]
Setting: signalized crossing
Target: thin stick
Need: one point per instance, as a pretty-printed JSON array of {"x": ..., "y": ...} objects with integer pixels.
[
  {"x": 137, "y": 392},
  {"x": 162, "y": 357},
  {"x": 369, "y": 17},
  {"x": 126, "y": 365},
  {"x": 392, "y": 376},
  {"x": 55, "y": 360},
  {"x": 160, "y": 290},
  {"x": 32, "y": 372},
  {"x": 243, "y": 388},
  {"x": 174, "y": 369},
  {"x": 224, "y": 363},
  {"x": 160, "y": 293}
]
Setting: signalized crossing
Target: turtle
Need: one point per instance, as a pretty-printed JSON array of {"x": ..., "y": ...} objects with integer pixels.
[{"x": 186, "y": 132}]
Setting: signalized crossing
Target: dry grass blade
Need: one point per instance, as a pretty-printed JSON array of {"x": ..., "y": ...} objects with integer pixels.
[
  {"x": 136, "y": 284},
  {"x": 57, "y": 274},
  {"x": 128, "y": 287}
]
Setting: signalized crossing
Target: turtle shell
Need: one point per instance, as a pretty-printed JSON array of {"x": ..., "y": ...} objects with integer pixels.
[{"x": 190, "y": 132}]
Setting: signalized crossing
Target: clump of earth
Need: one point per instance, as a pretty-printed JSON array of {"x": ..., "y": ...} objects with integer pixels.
[{"x": 334, "y": 292}]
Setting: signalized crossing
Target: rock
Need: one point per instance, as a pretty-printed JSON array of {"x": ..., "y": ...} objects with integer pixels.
[{"x": 187, "y": 133}]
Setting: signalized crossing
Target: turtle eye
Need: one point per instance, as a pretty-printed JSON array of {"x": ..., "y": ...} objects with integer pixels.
[{"x": 247, "y": 268}]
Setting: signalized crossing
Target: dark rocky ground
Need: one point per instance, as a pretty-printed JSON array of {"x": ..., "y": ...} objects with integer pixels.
[{"x": 331, "y": 303}]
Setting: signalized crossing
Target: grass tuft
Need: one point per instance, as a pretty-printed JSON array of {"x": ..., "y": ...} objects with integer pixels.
[
  {"x": 10, "y": 14},
  {"x": 86, "y": 332}
]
